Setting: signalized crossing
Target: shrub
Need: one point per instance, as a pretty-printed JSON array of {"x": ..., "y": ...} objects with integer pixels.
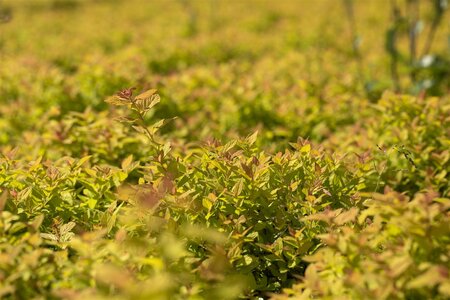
[{"x": 394, "y": 248}]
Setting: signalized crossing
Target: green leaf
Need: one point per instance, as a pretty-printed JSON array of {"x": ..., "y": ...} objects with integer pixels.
[
  {"x": 428, "y": 279},
  {"x": 49, "y": 236},
  {"x": 146, "y": 94},
  {"x": 82, "y": 161},
  {"x": 251, "y": 139},
  {"x": 206, "y": 203},
  {"x": 306, "y": 148},
  {"x": 66, "y": 228},
  {"x": 116, "y": 100},
  {"x": 91, "y": 203},
  {"x": 37, "y": 222},
  {"x": 126, "y": 162}
]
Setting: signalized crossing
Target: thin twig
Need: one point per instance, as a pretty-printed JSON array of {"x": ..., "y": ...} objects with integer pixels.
[
  {"x": 142, "y": 121},
  {"x": 391, "y": 45},
  {"x": 439, "y": 12},
  {"x": 349, "y": 9},
  {"x": 413, "y": 8}
]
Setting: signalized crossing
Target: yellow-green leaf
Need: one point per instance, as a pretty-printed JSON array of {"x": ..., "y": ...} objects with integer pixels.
[{"x": 146, "y": 94}]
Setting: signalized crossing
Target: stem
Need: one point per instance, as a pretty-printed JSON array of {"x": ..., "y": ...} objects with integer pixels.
[
  {"x": 380, "y": 174},
  {"x": 413, "y": 8},
  {"x": 430, "y": 37},
  {"x": 348, "y": 4},
  {"x": 434, "y": 26},
  {"x": 192, "y": 26},
  {"x": 391, "y": 45},
  {"x": 142, "y": 121},
  {"x": 148, "y": 133}
]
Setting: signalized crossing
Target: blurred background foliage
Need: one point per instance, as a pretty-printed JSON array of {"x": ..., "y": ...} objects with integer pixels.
[{"x": 305, "y": 153}]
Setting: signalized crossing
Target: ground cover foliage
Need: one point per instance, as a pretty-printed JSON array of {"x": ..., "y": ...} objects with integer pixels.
[{"x": 224, "y": 150}]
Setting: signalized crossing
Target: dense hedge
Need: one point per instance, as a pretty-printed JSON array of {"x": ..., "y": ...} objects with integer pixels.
[{"x": 272, "y": 161}]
